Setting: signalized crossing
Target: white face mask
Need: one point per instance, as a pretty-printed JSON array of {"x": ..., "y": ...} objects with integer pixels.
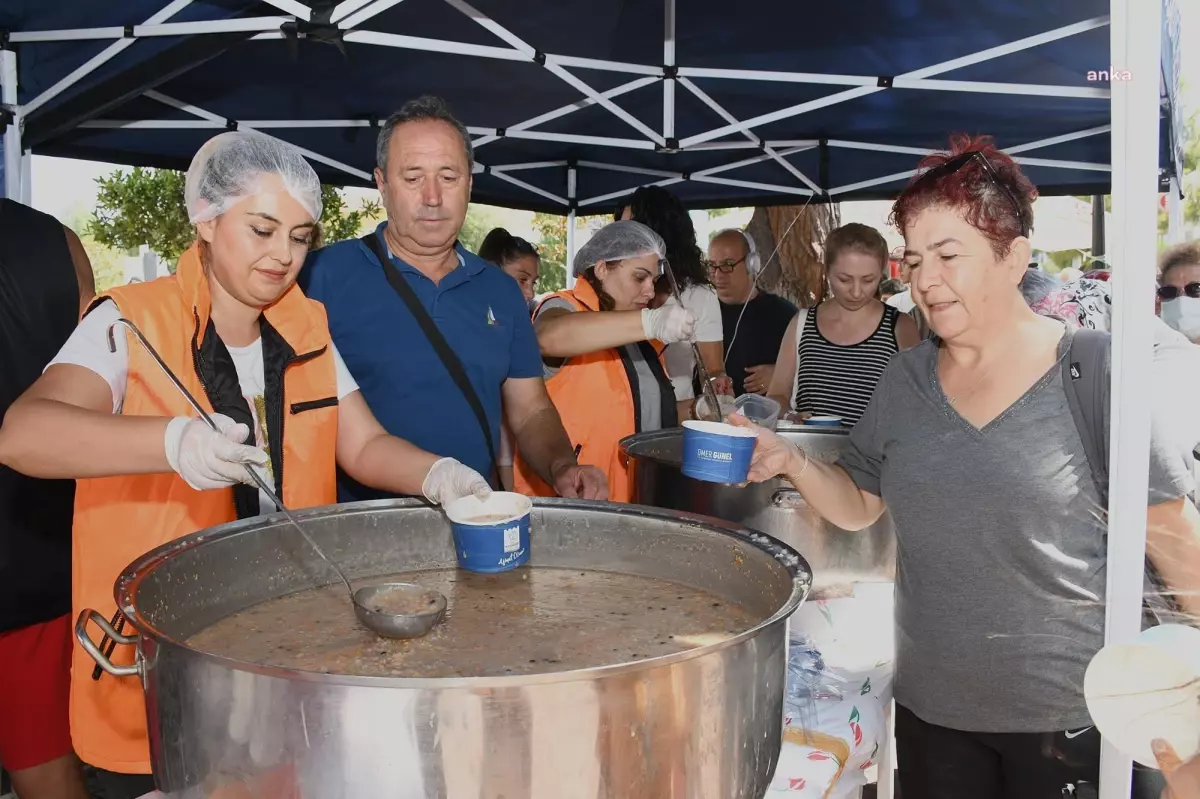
[{"x": 1183, "y": 314}]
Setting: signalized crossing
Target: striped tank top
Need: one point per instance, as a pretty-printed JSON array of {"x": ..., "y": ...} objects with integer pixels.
[{"x": 838, "y": 380}]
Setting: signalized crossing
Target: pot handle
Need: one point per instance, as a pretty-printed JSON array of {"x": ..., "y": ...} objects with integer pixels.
[
  {"x": 87, "y": 614},
  {"x": 787, "y": 498}
]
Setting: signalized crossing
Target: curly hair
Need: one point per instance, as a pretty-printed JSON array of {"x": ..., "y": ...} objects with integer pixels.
[
  {"x": 662, "y": 212},
  {"x": 973, "y": 190},
  {"x": 1186, "y": 254}
]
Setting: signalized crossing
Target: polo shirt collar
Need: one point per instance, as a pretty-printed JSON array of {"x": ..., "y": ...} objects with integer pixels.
[{"x": 467, "y": 261}]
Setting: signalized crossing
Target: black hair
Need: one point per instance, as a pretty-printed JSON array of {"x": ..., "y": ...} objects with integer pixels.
[
  {"x": 891, "y": 286},
  {"x": 422, "y": 109},
  {"x": 662, "y": 212},
  {"x": 500, "y": 247}
]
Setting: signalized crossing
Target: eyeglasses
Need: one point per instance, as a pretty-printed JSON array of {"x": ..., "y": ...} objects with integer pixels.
[
  {"x": 1171, "y": 292},
  {"x": 933, "y": 174},
  {"x": 724, "y": 267}
]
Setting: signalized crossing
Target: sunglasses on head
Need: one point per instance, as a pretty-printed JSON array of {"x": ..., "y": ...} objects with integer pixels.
[
  {"x": 933, "y": 174},
  {"x": 1171, "y": 292}
]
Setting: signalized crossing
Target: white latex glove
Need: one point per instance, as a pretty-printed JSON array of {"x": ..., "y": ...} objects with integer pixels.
[
  {"x": 449, "y": 480},
  {"x": 668, "y": 324},
  {"x": 207, "y": 459}
]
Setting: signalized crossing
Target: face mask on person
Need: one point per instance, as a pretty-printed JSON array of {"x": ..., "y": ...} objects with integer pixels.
[{"x": 1183, "y": 314}]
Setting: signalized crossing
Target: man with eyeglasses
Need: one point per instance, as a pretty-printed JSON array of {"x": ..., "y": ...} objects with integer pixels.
[
  {"x": 754, "y": 321},
  {"x": 1179, "y": 289}
]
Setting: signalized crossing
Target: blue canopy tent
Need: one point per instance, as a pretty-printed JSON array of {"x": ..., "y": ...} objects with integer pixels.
[{"x": 574, "y": 103}]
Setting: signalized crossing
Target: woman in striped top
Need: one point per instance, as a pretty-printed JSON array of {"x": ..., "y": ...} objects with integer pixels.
[{"x": 834, "y": 353}]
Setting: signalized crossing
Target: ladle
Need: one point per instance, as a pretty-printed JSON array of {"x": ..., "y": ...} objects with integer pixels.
[
  {"x": 710, "y": 392},
  {"x": 367, "y": 601}
]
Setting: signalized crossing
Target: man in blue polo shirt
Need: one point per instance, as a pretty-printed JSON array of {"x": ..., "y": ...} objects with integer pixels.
[{"x": 424, "y": 176}]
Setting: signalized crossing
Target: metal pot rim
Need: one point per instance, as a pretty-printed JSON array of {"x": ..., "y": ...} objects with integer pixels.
[{"x": 131, "y": 577}]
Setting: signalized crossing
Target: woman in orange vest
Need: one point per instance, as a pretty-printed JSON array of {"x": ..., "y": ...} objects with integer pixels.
[
  {"x": 602, "y": 347},
  {"x": 252, "y": 349}
]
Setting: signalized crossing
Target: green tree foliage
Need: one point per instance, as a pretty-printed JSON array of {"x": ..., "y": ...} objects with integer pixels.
[
  {"x": 479, "y": 222},
  {"x": 143, "y": 206},
  {"x": 146, "y": 206},
  {"x": 552, "y": 246}
]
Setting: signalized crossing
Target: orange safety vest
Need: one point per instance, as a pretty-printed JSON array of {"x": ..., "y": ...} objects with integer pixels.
[
  {"x": 595, "y": 400},
  {"x": 118, "y": 519}
]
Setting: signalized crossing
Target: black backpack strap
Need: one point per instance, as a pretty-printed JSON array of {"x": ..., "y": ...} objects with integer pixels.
[
  {"x": 1085, "y": 381},
  {"x": 453, "y": 365}
]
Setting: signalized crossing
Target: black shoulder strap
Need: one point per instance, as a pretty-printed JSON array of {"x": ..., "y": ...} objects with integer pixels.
[
  {"x": 1085, "y": 380},
  {"x": 438, "y": 341}
]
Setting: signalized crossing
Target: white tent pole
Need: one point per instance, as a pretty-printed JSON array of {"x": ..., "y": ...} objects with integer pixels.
[
  {"x": 1174, "y": 212},
  {"x": 1135, "y": 38},
  {"x": 12, "y": 133},
  {"x": 1059, "y": 164},
  {"x": 527, "y": 186},
  {"x": 529, "y": 165},
  {"x": 625, "y": 192},
  {"x": 924, "y": 72},
  {"x": 520, "y": 45},
  {"x": 353, "y": 19},
  {"x": 401, "y": 42},
  {"x": 567, "y": 109},
  {"x": 572, "y": 188},
  {"x": 770, "y": 151},
  {"x": 293, "y": 7},
  {"x": 669, "y": 62},
  {"x": 27, "y": 178},
  {"x": 346, "y": 8},
  {"x": 246, "y": 25},
  {"x": 101, "y": 58},
  {"x": 1053, "y": 140},
  {"x": 632, "y": 170},
  {"x": 211, "y": 117}
]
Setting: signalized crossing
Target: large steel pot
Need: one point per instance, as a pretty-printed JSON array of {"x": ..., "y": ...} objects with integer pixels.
[
  {"x": 703, "y": 724},
  {"x": 838, "y": 558}
]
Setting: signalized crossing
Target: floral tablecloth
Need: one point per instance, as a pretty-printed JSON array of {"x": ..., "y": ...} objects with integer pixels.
[{"x": 834, "y": 719}]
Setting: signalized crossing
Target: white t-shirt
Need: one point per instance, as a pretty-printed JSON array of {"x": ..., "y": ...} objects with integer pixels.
[
  {"x": 88, "y": 347},
  {"x": 680, "y": 360}
]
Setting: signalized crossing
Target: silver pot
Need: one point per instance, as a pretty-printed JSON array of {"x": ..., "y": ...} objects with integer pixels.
[
  {"x": 703, "y": 724},
  {"x": 838, "y": 558}
]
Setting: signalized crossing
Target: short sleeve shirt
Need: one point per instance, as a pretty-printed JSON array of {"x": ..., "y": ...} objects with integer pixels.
[
  {"x": 1001, "y": 545},
  {"x": 478, "y": 309}
]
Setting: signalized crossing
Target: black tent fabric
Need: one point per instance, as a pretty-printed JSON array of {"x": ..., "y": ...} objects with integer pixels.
[{"x": 573, "y": 103}]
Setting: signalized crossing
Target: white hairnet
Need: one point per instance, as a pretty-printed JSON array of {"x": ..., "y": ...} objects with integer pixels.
[
  {"x": 230, "y": 167},
  {"x": 617, "y": 241}
]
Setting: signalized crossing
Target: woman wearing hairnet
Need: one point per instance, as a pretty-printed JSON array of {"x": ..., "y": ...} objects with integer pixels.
[
  {"x": 602, "y": 347},
  {"x": 248, "y": 345}
]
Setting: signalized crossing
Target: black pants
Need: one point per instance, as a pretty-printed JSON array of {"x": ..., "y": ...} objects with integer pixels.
[
  {"x": 940, "y": 763},
  {"x": 103, "y": 784}
]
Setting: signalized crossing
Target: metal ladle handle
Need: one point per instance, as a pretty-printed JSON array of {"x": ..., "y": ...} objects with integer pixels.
[
  {"x": 710, "y": 392},
  {"x": 254, "y": 475}
]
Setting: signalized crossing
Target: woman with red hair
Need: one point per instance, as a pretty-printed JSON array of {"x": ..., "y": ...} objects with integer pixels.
[{"x": 970, "y": 442}]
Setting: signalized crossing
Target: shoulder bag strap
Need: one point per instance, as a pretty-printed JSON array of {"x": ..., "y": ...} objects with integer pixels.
[
  {"x": 437, "y": 341},
  {"x": 1085, "y": 380}
]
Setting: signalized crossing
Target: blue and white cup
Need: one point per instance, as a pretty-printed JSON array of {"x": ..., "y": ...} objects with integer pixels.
[
  {"x": 824, "y": 421},
  {"x": 717, "y": 452},
  {"x": 491, "y": 535}
]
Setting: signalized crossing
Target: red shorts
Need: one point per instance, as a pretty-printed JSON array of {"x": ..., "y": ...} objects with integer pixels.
[{"x": 35, "y": 694}]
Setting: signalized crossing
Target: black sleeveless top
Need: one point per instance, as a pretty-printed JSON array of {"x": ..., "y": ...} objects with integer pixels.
[
  {"x": 835, "y": 379},
  {"x": 39, "y": 308}
]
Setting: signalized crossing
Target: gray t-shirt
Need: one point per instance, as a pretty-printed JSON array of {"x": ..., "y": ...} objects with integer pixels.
[
  {"x": 1001, "y": 547},
  {"x": 648, "y": 389}
]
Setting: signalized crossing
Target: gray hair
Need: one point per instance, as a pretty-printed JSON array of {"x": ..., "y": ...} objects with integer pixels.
[{"x": 423, "y": 109}]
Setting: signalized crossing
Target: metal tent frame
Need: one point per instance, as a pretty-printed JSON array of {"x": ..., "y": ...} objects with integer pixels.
[{"x": 1136, "y": 42}]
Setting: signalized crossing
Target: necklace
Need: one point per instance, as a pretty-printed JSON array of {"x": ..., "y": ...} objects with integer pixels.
[{"x": 971, "y": 388}]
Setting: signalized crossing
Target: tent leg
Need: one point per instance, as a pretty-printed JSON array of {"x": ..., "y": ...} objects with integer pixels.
[
  {"x": 572, "y": 178},
  {"x": 1136, "y": 40},
  {"x": 12, "y": 133},
  {"x": 1174, "y": 212},
  {"x": 27, "y": 178},
  {"x": 1097, "y": 226}
]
